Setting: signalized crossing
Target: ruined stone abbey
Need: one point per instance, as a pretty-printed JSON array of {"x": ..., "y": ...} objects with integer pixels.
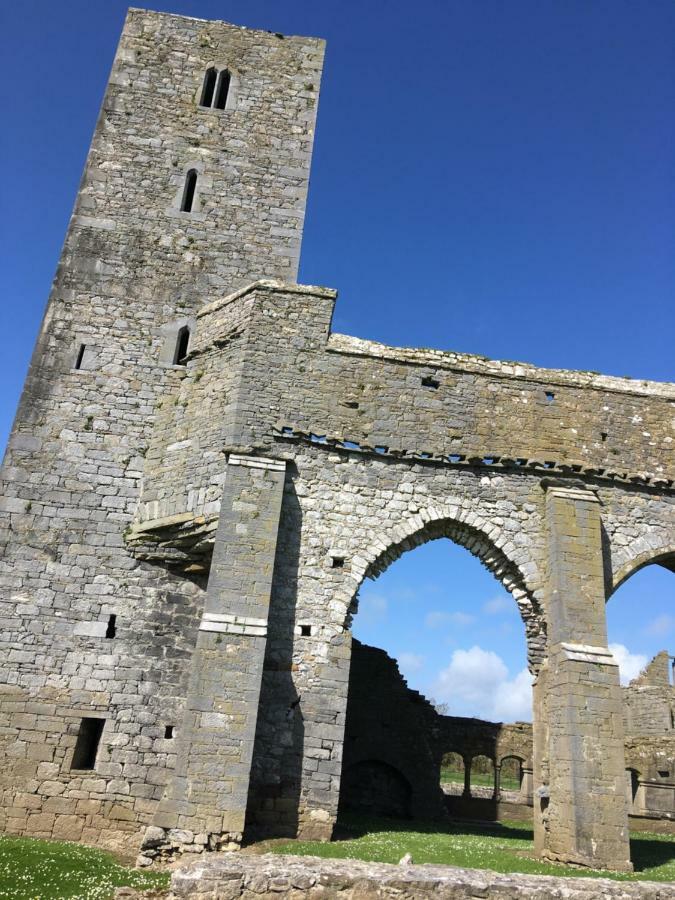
[{"x": 201, "y": 474}]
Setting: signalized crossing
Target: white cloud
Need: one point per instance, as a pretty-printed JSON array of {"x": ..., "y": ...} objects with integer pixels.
[
  {"x": 498, "y": 604},
  {"x": 372, "y": 607},
  {"x": 660, "y": 626},
  {"x": 477, "y": 683},
  {"x": 630, "y": 664},
  {"x": 513, "y": 699},
  {"x": 441, "y": 619},
  {"x": 410, "y": 662}
]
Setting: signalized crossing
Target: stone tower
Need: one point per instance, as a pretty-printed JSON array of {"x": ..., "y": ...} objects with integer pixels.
[{"x": 195, "y": 185}]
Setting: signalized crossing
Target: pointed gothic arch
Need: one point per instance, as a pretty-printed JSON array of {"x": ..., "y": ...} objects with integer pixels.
[{"x": 493, "y": 549}]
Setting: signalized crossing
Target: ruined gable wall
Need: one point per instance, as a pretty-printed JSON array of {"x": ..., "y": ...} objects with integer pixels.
[{"x": 649, "y": 700}]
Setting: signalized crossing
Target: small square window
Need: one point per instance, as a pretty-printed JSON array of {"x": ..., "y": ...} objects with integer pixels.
[
  {"x": 337, "y": 562},
  {"x": 305, "y": 630}
]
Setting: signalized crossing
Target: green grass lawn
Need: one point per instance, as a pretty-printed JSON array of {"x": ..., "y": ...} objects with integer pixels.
[
  {"x": 32, "y": 869},
  {"x": 503, "y": 847}
]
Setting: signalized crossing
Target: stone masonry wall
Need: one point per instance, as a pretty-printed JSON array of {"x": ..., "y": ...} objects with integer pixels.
[
  {"x": 649, "y": 700},
  {"x": 115, "y": 470},
  {"x": 250, "y": 877},
  {"x": 133, "y": 267}
]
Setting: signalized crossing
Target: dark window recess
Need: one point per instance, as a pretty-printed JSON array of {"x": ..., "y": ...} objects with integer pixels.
[
  {"x": 182, "y": 344},
  {"x": 222, "y": 90},
  {"x": 111, "y": 630},
  {"x": 86, "y": 746},
  {"x": 209, "y": 87},
  {"x": 603, "y": 436},
  {"x": 189, "y": 191},
  {"x": 352, "y": 404},
  {"x": 431, "y": 383},
  {"x": 306, "y": 630},
  {"x": 337, "y": 562},
  {"x": 80, "y": 356},
  {"x": 168, "y": 732},
  {"x": 550, "y": 396},
  {"x": 663, "y": 773}
]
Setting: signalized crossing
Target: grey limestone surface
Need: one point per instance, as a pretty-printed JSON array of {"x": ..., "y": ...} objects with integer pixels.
[{"x": 226, "y": 511}]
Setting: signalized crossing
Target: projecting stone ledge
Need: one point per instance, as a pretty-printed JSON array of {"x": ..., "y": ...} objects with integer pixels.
[{"x": 232, "y": 876}]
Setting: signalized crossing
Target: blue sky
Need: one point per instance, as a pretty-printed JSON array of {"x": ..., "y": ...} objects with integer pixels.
[
  {"x": 488, "y": 177},
  {"x": 459, "y": 639}
]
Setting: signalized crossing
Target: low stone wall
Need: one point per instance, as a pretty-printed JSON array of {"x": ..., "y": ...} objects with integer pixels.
[{"x": 231, "y": 876}]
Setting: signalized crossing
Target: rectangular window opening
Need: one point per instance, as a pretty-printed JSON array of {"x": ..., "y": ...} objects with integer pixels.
[
  {"x": 352, "y": 404},
  {"x": 306, "y": 630},
  {"x": 80, "y": 356},
  {"x": 550, "y": 396},
  {"x": 168, "y": 732},
  {"x": 111, "y": 630},
  {"x": 86, "y": 746},
  {"x": 603, "y": 436},
  {"x": 337, "y": 562},
  {"x": 431, "y": 383}
]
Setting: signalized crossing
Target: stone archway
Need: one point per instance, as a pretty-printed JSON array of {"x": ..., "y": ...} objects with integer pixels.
[
  {"x": 641, "y": 558},
  {"x": 412, "y": 720},
  {"x": 482, "y": 539}
]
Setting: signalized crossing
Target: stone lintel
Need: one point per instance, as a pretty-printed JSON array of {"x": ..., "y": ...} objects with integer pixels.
[
  {"x": 587, "y": 653},
  {"x": 256, "y": 462}
]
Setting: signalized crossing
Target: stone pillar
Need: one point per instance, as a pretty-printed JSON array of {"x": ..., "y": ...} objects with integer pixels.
[
  {"x": 497, "y": 794},
  {"x": 582, "y": 815},
  {"x": 467, "y": 777},
  {"x": 526, "y": 786},
  {"x": 205, "y": 802}
]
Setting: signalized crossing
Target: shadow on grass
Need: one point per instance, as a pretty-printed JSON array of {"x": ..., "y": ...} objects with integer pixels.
[
  {"x": 648, "y": 851},
  {"x": 351, "y": 826}
]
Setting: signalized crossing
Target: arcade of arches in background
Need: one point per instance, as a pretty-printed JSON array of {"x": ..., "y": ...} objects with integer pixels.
[{"x": 477, "y": 776}]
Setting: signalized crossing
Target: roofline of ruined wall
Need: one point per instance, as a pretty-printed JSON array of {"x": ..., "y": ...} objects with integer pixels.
[{"x": 451, "y": 360}]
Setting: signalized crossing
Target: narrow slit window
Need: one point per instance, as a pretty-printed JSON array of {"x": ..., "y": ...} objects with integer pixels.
[
  {"x": 87, "y": 743},
  {"x": 209, "y": 87},
  {"x": 111, "y": 630},
  {"x": 222, "y": 90},
  {"x": 189, "y": 191},
  {"x": 168, "y": 732},
  {"x": 80, "y": 356},
  {"x": 182, "y": 344}
]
